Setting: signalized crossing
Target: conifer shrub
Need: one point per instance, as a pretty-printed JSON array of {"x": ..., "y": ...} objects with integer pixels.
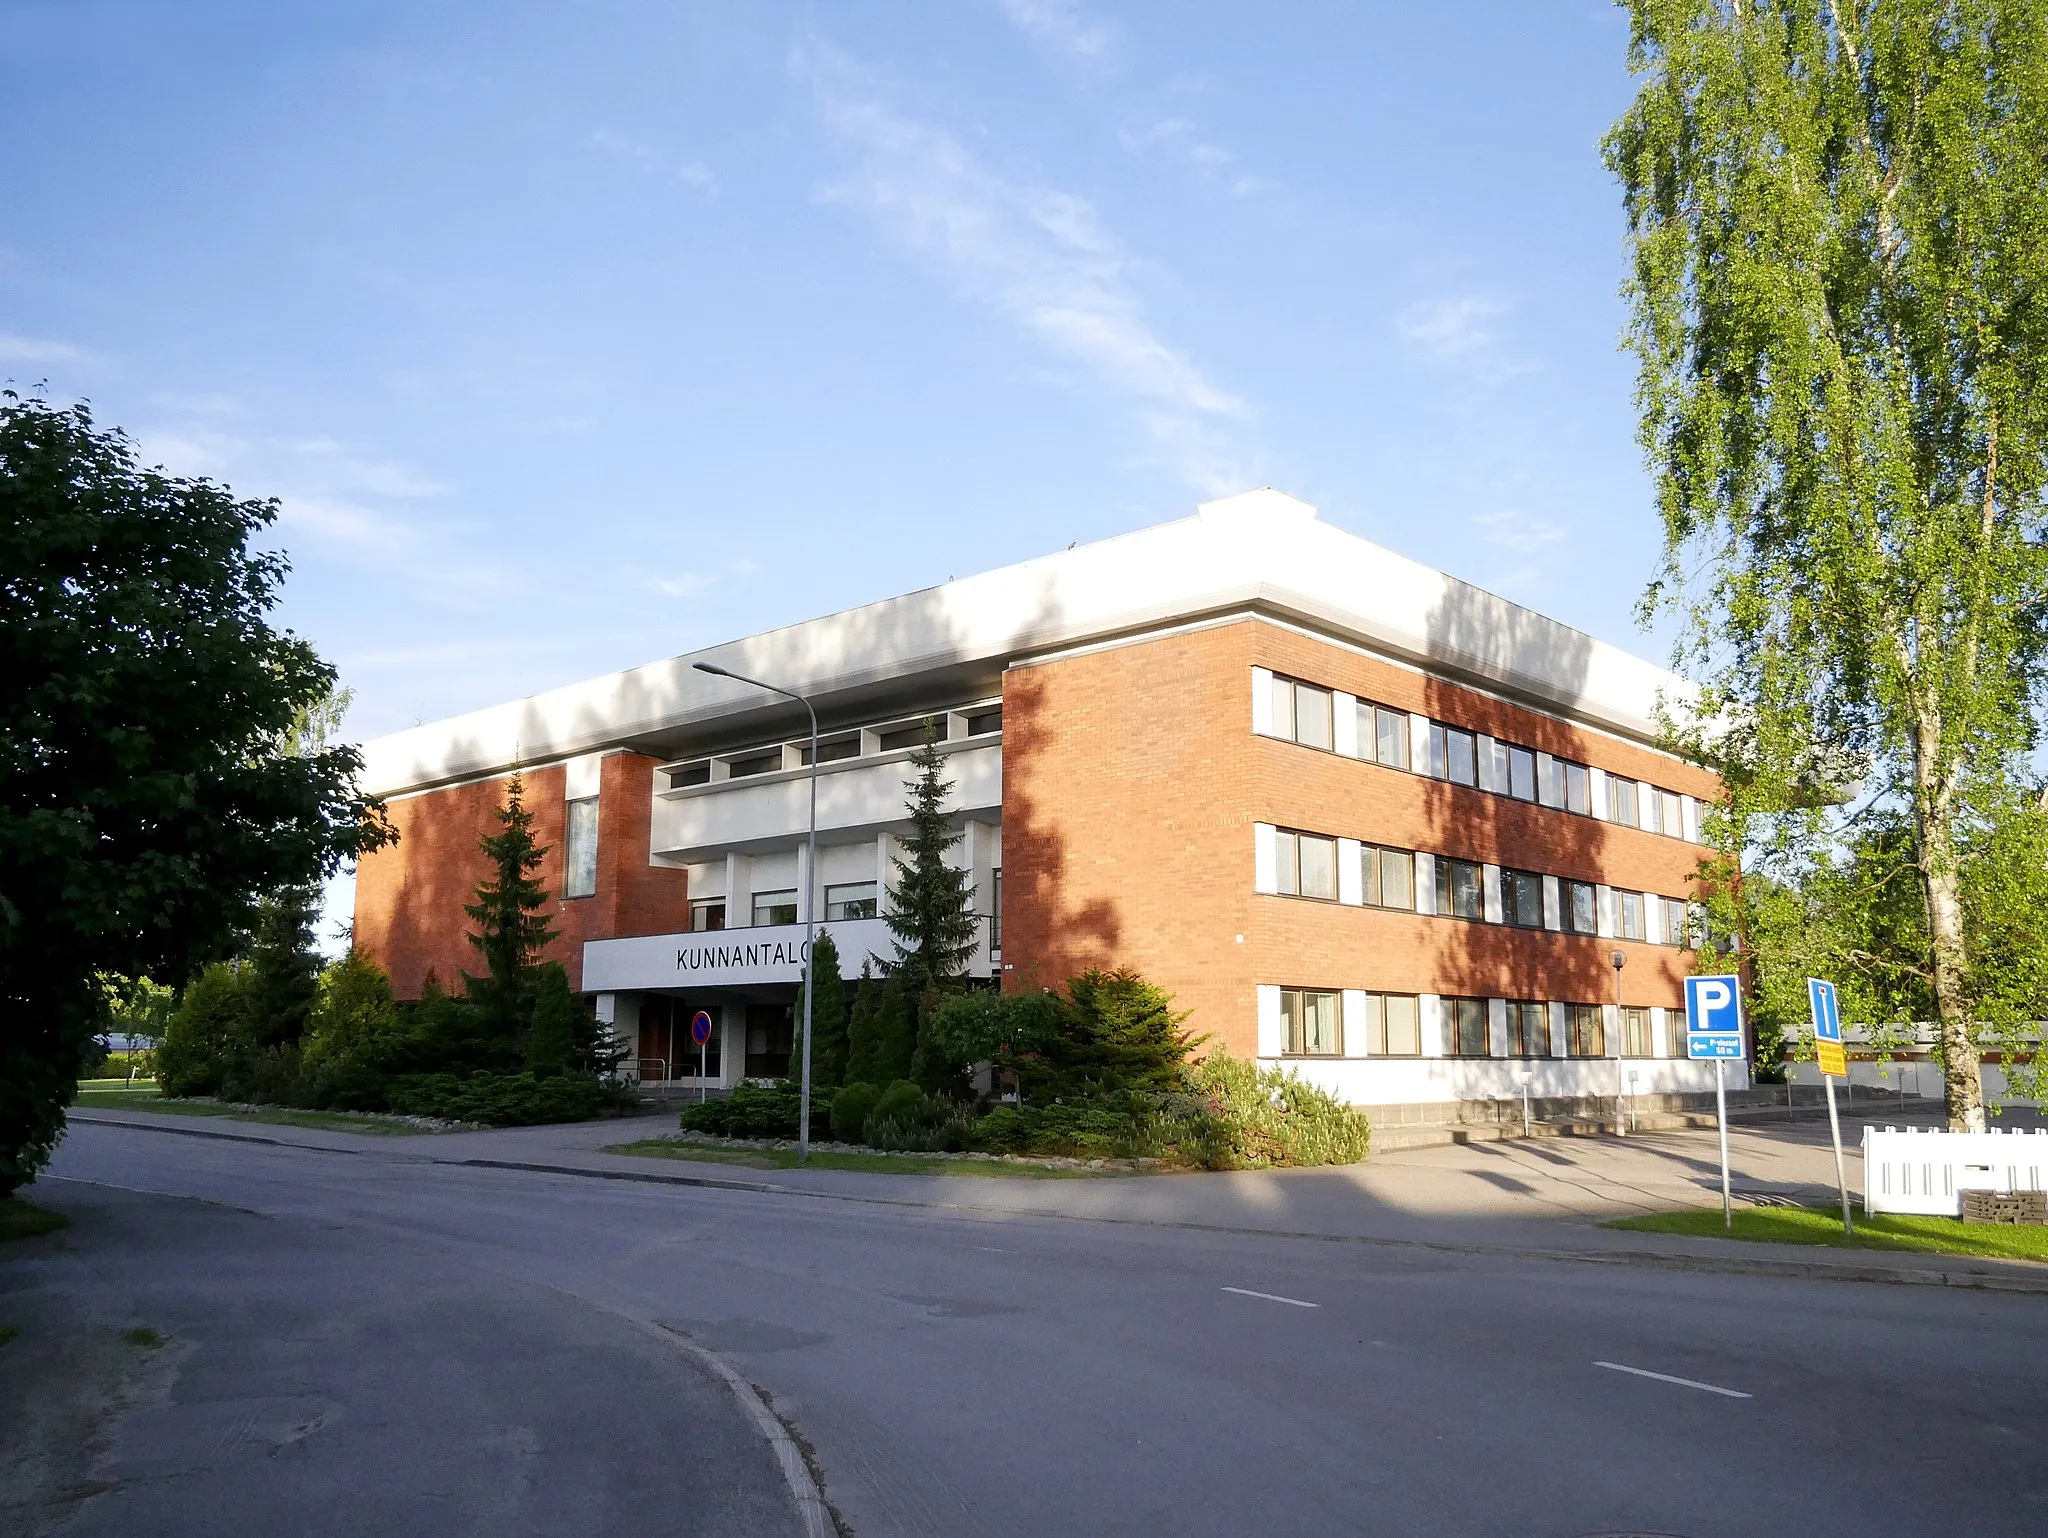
[
  {"x": 850, "y": 1109},
  {"x": 500, "y": 1099},
  {"x": 193, "y": 1058},
  {"x": 918, "y": 1122},
  {"x": 1261, "y": 1117}
]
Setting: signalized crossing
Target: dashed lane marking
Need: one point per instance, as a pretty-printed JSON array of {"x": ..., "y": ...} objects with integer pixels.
[
  {"x": 1271, "y": 1297},
  {"x": 1665, "y": 1377}
]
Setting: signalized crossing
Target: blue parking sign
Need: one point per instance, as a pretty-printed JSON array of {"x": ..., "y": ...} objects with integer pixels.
[{"x": 1713, "y": 1017}]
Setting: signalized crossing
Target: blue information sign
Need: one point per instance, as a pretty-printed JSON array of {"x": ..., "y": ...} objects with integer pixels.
[
  {"x": 700, "y": 1027},
  {"x": 1713, "y": 1017},
  {"x": 1827, "y": 1014}
]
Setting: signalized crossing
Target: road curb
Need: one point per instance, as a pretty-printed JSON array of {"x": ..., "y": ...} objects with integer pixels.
[{"x": 1960, "y": 1275}]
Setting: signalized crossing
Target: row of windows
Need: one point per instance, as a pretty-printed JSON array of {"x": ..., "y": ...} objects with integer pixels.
[
  {"x": 1305, "y": 865},
  {"x": 847, "y": 900},
  {"x": 1306, "y": 713},
  {"x": 975, "y": 721},
  {"x": 1314, "y": 1025}
]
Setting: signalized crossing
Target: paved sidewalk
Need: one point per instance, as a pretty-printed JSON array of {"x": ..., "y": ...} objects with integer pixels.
[{"x": 1545, "y": 1197}]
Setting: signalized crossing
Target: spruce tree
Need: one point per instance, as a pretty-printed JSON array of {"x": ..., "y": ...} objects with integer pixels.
[
  {"x": 283, "y": 976},
  {"x": 828, "y": 1017},
  {"x": 929, "y": 918},
  {"x": 512, "y": 928}
]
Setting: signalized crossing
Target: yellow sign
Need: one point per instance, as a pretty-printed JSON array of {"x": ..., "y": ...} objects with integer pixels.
[{"x": 1834, "y": 1059}]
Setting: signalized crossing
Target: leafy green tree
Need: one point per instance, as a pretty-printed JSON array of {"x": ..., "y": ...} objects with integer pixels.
[
  {"x": 929, "y": 917},
  {"x": 1838, "y": 219},
  {"x": 203, "y": 1032},
  {"x": 354, "y": 1022},
  {"x": 512, "y": 926},
  {"x": 146, "y": 801},
  {"x": 828, "y": 1017}
]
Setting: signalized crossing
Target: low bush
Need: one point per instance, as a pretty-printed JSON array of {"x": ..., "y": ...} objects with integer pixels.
[
  {"x": 503, "y": 1099},
  {"x": 850, "y": 1109},
  {"x": 901, "y": 1101},
  {"x": 918, "y": 1122},
  {"x": 1265, "y": 1116},
  {"x": 755, "y": 1110},
  {"x": 1106, "y": 1131}
]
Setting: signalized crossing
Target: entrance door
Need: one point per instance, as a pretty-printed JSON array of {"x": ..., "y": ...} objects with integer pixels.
[{"x": 771, "y": 1034}]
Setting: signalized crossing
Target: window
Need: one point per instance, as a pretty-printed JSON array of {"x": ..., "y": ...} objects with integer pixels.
[
  {"x": 982, "y": 722},
  {"x": 1581, "y": 907},
  {"x": 775, "y": 907},
  {"x": 1390, "y": 878},
  {"x": 1392, "y": 1025},
  {"x": 1453, "y": 754},
  {"x": 1521, "y": 898},
  {"x": 579, "y": 848},
  {"x": 1528, "y": 1028},
  {"x": 1389, "y": 735},
  {"x": 1301, "y": 713},
  {"x": 1670, "y": 814},
  {"x": 1621, "y": 802},
  {"x": 1628, "y": 915},
  {"x": 910, "y": 734},
  {"x": 831, "y": 749},
  {"x": 1677, "y": 922},
  {"x": 754, "y": 763},
  {"x": 1494, "y": 763},
  {"x": 1588, "y": 1032},
  {"x": 1465, "y": 1028},
  {"x": 1310, "y": 1015},
  {"x": 707, "y": 913},
  {"x": 690, "y": 774},
  {"x": 1521, "y": 774},
  {"x": 1307, "y": 865},
  {"x": 995, "y": 918},
  {"x": 1578, "y": 789},
  {"x": 1636, "y": 1040},
  {"x": 851, "y": 900},
  {"x": 1553, "y": 783},
  {"x": 1460, "y": 892}
]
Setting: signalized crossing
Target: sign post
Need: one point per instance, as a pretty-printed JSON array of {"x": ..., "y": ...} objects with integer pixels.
[
  {"x": 1834, "y": 1064},
  {"x": 700, "y": 1033},
  {"x": 1713, "y": 1029}
]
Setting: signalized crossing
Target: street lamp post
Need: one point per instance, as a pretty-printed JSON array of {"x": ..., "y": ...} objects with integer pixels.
[
  {"x": 803, "y": 1119},
  {"x": 1620, "y": 960}
]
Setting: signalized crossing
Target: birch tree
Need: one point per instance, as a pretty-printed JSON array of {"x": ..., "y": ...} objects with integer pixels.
[{"x": 1838, "y": 229}]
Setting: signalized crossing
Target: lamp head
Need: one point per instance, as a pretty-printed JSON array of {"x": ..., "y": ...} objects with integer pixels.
[
  {"x": 711, "y": 667},
  {"x": 1620, "y": 960}
]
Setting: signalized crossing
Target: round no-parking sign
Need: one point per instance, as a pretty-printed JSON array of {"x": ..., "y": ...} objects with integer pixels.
[{"x": 700, "y": 1027}]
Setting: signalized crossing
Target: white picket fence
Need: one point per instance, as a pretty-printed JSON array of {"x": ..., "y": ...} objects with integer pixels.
[{"x": 1913, "y": 1169}]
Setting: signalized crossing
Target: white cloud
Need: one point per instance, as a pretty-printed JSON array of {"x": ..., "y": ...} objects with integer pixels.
[
  {"x": 1036, "y": 255},
  {"x": 1519, "y": 532},
  {"x": 15, "y": 348},
  {"x": 1061, "y": 26},
  {"x": 1457, "y": 331},
  {"x": 1177, "y": 141},
  {"x": 689, "y": 584},
  {"x": 691, "y": 173}
]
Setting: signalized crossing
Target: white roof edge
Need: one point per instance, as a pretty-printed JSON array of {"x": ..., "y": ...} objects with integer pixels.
[{"x": 1259, "y": 551}]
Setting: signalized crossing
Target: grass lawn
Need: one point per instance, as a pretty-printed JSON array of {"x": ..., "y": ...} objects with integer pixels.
[
  {"x": 866, "y": 1163},
  {"x": 24, "y": 1220},
  {"x": 322, "y": 1121},
  {"x": 1823, "y": 1226}
]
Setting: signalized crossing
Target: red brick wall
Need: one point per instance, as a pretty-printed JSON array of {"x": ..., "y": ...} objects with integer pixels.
[
  {"x": 1131, "y": 781},
  {"x": 409, "y": 898}
]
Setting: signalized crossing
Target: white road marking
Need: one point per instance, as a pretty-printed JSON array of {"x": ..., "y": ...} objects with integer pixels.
[
  {"x": 1270, "y": 1297},
  {"x": 1665, "y": 1377}
]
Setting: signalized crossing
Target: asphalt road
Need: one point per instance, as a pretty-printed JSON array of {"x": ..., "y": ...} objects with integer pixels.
[{"x": 961, "y": 1374}]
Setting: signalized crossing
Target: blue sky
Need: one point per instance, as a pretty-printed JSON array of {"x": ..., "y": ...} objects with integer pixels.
[{"x": 574, "y": 335}]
